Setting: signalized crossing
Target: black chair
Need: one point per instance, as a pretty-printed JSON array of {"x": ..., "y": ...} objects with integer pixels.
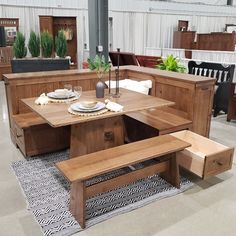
[{"x": 224, "y": 77}]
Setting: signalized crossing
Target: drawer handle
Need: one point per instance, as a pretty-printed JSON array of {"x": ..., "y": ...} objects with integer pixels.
[
  {"x": 18, "y": 135},
  {"x": 218, "y": 163}
]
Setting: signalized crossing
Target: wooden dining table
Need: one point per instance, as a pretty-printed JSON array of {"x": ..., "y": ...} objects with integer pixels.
[{"x": 95, "y": 132}]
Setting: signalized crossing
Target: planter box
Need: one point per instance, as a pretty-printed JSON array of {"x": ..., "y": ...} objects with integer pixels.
[{"x": 33, "y": 65}]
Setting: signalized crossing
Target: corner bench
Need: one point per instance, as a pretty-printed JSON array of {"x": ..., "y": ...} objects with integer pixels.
[
  {"x": 78, "y": 170},
  {"x": 34, "y": 136}
]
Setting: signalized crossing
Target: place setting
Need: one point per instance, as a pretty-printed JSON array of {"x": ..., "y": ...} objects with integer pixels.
[
  {"x": 93, "y": 108},
  {"x": 67, "y": 94}
]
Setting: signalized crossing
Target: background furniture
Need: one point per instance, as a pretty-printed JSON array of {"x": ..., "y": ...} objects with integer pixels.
[
  {"x": 182, "y": 25},
  {"x": 232, "y": 103},
  {"x": 148, "y": 61},
  {"x": 223, "y": 76},
  {"x": 125, "y": 58},
  {"x": 185, "y": 40},
  {"x": 53, "y": 24},
  {"x": 6, "y": 55},
  {"x": 217, "y": 41}
]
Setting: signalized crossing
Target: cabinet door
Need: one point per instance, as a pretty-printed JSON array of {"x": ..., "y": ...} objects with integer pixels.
[{"x": 46, "y": 23}]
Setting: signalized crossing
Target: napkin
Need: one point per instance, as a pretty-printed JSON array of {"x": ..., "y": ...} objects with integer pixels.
[
  {"x": 113, "y": 106},
  {"x": 42, "y": 99}
]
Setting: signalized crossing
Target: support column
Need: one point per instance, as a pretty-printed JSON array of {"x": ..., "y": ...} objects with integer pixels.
[{"x": 98, "y": 27}]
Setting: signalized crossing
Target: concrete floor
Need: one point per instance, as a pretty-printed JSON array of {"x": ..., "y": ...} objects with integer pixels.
[{"x": 209, "y": 208}]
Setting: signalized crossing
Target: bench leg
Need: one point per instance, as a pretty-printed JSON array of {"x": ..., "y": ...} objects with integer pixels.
[
  {"x": 172, "y": 175},
  {"x": 78, "y": 202}
]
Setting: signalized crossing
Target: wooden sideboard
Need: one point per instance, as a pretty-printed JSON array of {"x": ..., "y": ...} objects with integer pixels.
[{"x": 217, "y": 41}]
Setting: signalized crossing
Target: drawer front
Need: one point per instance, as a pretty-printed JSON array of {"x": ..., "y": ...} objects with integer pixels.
[
  {"x": 20, "y": 140},
  {"x": 219, "y": 162}
]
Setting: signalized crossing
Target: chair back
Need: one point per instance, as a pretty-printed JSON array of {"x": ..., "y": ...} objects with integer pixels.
[
  {"x": 214, "y": 70},
  {"x": 125, "y": 58},
  {"x": 148, "y": 61}
]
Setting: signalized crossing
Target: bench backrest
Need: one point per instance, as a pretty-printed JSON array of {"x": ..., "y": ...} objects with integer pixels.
[{"x": 214, "y": 70}]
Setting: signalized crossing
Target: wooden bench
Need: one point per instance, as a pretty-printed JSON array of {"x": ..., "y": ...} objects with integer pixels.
[
  {"x": 78, "y": 170},
  {"x": 153, "y": 122},
  {"x": 34, "y": 136}
]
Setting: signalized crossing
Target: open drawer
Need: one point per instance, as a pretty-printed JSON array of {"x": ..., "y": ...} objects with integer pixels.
[{"x": 205, "y": 157}]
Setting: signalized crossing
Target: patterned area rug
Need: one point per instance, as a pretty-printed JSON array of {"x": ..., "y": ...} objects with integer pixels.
[{"x": 47, "y": 194}]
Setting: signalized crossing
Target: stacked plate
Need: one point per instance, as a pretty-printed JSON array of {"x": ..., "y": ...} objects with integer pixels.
[
  {"x": 56, "y": 95},
  {"x": 81, "y": 107}
]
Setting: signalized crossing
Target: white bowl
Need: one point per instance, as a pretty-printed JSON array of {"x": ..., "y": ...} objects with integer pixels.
[
  {"x": 88, "y": 104},
  {"x": 61, "y": 92}
]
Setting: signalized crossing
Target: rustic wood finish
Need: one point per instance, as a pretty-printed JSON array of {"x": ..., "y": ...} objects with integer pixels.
[
  {"x": 164, "y": 119},
  {"x": 80, "y": 169},
  {"x": 100, "y": 134},
  {"x": 191, "y": 94},
  {"x": 105, "y": 130},
  {"x": 57, "y": 115}
]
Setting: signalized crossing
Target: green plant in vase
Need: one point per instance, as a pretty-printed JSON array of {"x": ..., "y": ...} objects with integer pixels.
[
  {"x": 34, "y": 44},
  {"x": 46, "y": 44},
  {"x": 61, "y": 44},
  {"x": 19, "y": 48},
  {"x": 171, "y": 63},
  {"x": 99, "y": 64}
]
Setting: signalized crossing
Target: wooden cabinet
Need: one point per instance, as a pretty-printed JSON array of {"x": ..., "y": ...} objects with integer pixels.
[
  {"x": 216, "y": 41},
  {"x": 53, "y": 24},
  {"x": 184, "y": 39},
  {"x": 46, "y": 23},
  {"x": 204, "y": 157}
]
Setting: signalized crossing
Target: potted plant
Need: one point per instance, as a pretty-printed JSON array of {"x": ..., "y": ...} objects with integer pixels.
[
  {"x": 61, "y": 44},
  {"x": 34, "y": 44},
  {"x": 37, "y": 64},
  {"x": 99, "y": 64},
  {"x": 46, "y": 44},
  {"x": 171, "y": 63},
  {"x": 19, "y": 48}
]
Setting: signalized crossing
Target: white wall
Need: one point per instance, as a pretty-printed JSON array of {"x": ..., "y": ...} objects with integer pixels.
[{"x": 137, "y": 24}]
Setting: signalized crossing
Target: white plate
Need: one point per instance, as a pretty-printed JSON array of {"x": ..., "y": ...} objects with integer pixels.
[
  {"x": 60, "y": 96},
  {"x": 77, "y": 107}
]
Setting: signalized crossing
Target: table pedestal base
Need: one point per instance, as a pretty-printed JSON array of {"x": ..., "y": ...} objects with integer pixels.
[{"x": 96, "y": 135}]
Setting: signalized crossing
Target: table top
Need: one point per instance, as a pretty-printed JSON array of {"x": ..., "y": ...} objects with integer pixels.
[{"x": 56, "y": 114}]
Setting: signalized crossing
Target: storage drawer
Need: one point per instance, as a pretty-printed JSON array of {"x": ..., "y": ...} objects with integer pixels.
[
  {"x": 205, "y": 157},
  {"x": 20, "y": 139}
]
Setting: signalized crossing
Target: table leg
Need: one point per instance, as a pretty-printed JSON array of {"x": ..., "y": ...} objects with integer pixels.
[
  {"x": 78, "y": 202},
  {"x": 172, "y": 175}
]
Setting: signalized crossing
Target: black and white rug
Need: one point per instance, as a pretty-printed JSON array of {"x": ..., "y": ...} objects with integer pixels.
[{"x": 47, "y": 194}]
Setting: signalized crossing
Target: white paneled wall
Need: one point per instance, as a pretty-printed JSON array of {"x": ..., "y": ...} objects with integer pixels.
[{"x": 137, "y": 24}]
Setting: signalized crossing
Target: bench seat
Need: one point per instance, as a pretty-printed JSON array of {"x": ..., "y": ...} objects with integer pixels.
[
  {"x": 34, "y": 136},
  {"x": 78, "y": 170},
  {"x": 152, "y": 122}
]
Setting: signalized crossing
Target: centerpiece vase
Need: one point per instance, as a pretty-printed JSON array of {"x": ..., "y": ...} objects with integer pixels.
[{"x": 100, "y": 87}]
